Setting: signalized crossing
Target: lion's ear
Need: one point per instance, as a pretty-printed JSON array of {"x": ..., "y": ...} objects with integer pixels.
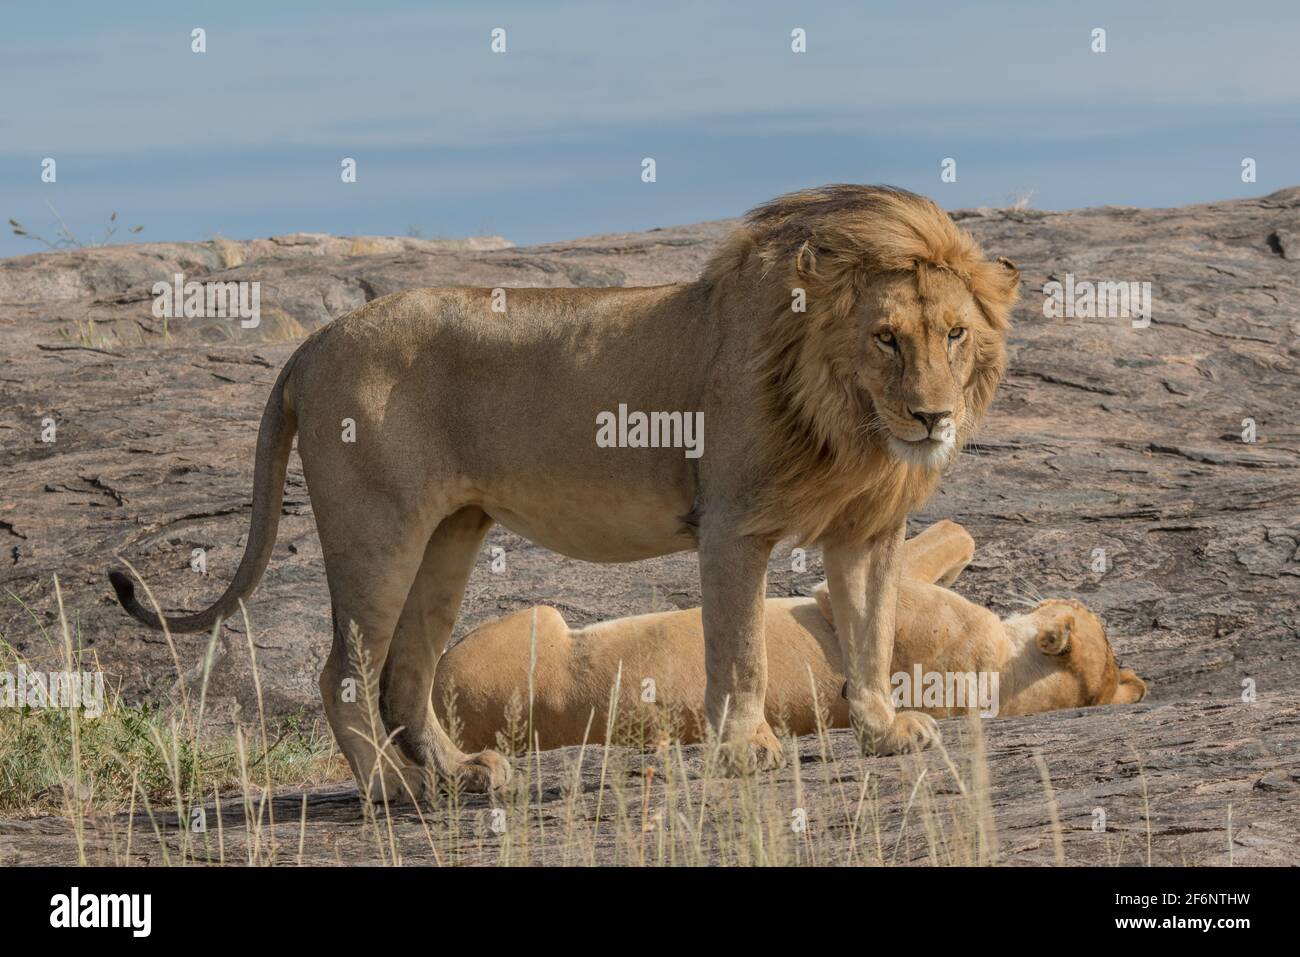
[
  {"x": 996, "y": 284},
  {"x": 805, "y": 261},
  {"x": 1010, "y": 278},
  {"x": 1002, "y": 280}
]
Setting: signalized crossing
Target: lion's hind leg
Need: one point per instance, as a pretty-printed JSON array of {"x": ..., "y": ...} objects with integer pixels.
[
  {"x": 421, "y": 634},
  {"x": 369, "y": 576}
]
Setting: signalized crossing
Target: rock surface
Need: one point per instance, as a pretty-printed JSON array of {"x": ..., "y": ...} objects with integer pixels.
[{"x": 1112, "y": 468}]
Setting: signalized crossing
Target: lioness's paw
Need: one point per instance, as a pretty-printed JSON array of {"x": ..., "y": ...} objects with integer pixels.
[
  {"x": 759, "y": 751},
  {"x": 482, "y": 772}
]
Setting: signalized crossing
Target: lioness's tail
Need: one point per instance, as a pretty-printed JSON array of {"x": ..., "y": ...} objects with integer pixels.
[{"x": 274, "y": 440}]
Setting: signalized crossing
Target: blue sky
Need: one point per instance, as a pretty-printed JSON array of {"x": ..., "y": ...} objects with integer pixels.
[{"x": 545, "y": 141}]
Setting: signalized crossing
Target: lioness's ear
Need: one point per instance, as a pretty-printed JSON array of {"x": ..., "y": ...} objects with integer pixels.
[
  {"x": 1055, "y": 638},
  {"x": 1130, "y": 689}
]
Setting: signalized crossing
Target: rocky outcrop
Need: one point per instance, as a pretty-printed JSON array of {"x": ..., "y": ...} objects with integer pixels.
[{"x": 1112, "y": 468}]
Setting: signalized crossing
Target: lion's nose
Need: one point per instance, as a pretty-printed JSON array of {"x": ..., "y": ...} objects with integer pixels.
[{"x": 930, "y": 419}]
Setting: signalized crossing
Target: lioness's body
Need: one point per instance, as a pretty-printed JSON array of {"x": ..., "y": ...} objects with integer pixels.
[
  {"x": 426, "y": 416},
  {"x": 1054, "y": 657}
]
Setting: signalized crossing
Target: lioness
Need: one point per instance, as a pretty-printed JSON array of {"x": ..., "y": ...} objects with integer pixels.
[
  {"x": 840, "y": 346},
  {"x": 1056, "y": 656}
]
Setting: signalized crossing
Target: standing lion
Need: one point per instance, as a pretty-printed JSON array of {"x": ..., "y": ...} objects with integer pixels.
[{"x": 840, "y": 348}]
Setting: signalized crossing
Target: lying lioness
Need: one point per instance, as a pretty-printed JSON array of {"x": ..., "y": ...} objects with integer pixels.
[{"x": 1056, "y": 656}]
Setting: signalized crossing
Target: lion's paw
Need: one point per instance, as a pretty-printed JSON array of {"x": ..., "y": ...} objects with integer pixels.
[
  {"x": 483, "y": 772},
  {"x": 881, "y": 730},
  {"x": 400, "y": 785},
  {"x": 911, "y": 731},
  {"x": 759, "y": 751}
]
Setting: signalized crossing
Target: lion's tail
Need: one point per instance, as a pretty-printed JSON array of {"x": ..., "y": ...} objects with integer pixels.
[{"x": 274, "y": 441}]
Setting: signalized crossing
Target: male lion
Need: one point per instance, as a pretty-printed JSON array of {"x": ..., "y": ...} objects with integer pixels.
[
  {"x": 841, "y": 346},
  {"x": 1055, "y": 656}
]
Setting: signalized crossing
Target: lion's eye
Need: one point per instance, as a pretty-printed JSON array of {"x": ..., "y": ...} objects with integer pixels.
[
  {"x": 886, "y": 339},
  {"x": 956, "y": 334}
]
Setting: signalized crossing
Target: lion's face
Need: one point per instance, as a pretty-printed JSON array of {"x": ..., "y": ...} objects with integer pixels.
[
  {"x": 1071, "y": 633},
  {"x": 920, "y": 338},
  {"x": 882, "y": 345}
]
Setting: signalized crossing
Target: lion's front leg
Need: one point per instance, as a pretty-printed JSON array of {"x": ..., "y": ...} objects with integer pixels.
[
  {"x": 863, "y": 582},
  {"x": 733, "y": 579}
]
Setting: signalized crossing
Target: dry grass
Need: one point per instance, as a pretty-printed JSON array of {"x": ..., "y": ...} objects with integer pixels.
[
  {"x": 148, "y": 774},
  {"x": 66, "y": 761},
  {"x": 231, "y": 253}
]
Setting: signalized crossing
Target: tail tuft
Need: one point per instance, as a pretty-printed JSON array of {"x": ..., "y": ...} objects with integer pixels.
[{"x": 124, "y": 588}]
